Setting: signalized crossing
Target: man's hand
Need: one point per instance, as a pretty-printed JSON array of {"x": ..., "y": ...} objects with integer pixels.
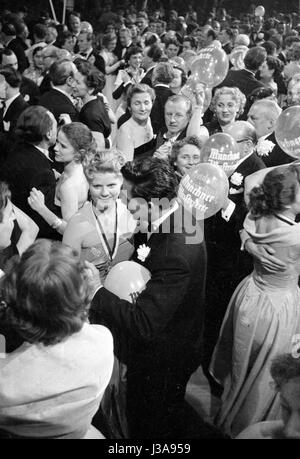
[
  {"x": 265, "y": 254},
  {"x": 93, "y": 278}
]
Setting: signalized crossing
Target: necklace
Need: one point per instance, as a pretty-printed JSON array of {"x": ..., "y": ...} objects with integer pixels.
[{"x": 110, "y": 251}]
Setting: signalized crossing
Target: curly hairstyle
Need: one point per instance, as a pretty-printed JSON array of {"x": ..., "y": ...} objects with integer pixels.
[
  {"x": 81, "y": 139},
  {"x": 93, "y": 78},
  {"x": 46, "y": 294},
  {"x": 176, "y": 147},
  {"x": 139, "y": 89},
  {"x": 5, "y": 195},
  {"x": 106, "y": 161},
  {"x": 236, "y": 95},
  {"x": 278, "y": 190}
]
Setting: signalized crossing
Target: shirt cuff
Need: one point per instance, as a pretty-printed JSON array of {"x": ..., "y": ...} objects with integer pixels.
[{"x": 227, "y": 213}]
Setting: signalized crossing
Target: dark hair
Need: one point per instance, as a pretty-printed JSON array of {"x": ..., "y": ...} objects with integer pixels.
[
  {"x": 254, "y": 58},
  {"x": 74, "y": 13},
  {"x": 60, "y": 71},
  {"x": 277, "y": 191},
  {"x": 40, "y": 31},
  {"x": 36, "y": 50},
  {"x": 151, "y": 39},
  {"x": 229, "y": 33},
  {"x": 275, "y": 64},
  {"x": 183, "y": 74},
  {"x": 5, "y": 52},
  {"x": 151, "y": 178},
  {"x": 107, "y": 38},
  {"x": 93, "y": 77},
  {"x": 277, "y": 40},
  {"x": 62, "y": 38},
  {"x": 192, "y": 40},
  {"x": 270, "y": 47},
  {"x": 81, "y": 139},
  {"x": 155, "y": 53},
  {"x": 12, "y": 77},
  {"x": 5, "y": 194},
  {"x": 290, "y": 40},
  {"x": 172, "y": 41},
  {"x": 46, "y": 293},
  {"x": 132, "y": 50},
  {"x": 34, "y": 124},
  {"x": 139, "y": 89},
  {"x": 212, "y": 33},
  {"x": 260, "y": 93},
  {"x": 284, "y": 367}
]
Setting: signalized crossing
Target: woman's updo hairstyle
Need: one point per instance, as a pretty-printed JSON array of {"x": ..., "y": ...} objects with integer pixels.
[
  {"x": 277, "y": 191},
  {"x": 81, "y": 139},
  {"x": 106, "y": 161}
]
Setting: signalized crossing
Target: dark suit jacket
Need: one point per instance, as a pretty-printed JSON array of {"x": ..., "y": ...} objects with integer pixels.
[
  {"x": 242, "y": 79},
  {"x": 277, "y": 156},
  {"x": 13, "y": 113},
  {"x": 158, "y": 110},
  {"x": 58, "y": 103},
  {"x": 148, "y": 78},
  {"x": 25, "y": 168},
  {"x": 30, "y": 91},
  {"x": 17, "y": 46},
  {"x": 45, "y": 85},
  {"x": 164, "y": 327}
]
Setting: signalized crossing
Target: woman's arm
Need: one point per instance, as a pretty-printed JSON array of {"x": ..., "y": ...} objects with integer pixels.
[
  {"x": 112, "y": 68},
  {"x": 69, "y": 206},
  {"x": 29, "y": 230}
]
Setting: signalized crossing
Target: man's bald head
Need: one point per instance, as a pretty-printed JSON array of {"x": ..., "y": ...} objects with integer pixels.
[
  {"x": 242, "y": 131},
  {"x": 263, "y": 115}
]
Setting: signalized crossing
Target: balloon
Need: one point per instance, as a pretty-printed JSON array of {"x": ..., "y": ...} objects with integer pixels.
[
  {"x": 203, "y": 190},
  {"x": 127, "y": 280},
  {"x": 237, "y": 57},
  {"x": 287, "y": 131},
  {"x": 259, "y": 11},
  {"x": 222, "y": 150},
  {"x": 211, "y": 66},
  {"x": 189, "y": 90},
  {"x": 188, "y": 57}
]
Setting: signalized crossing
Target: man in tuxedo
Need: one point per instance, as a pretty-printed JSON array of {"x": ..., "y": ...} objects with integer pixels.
[
  {"x": 162, "y": 331},
  {"x": 263, "y": 116},
  {"x": 124, "y": 43},
  {"x": 226, "y": 39},
  {"x": 28, "y": 89},
  {"x": 14, "y": 43},
  {"x": 86, "y": 50},
  {"x": 28, "y": 164},
  {"x": 14, "y": 104},
  {"x": 59, "y": 99},
  {"x": 50, "y": 55},
  {"x": 163, "y": 74},
  {"x": 227, "y": 265},
  {"x": 257, "y": 34}
]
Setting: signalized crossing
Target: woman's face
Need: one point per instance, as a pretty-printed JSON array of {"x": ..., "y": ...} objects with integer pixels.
[
  {"x": 64, "y": 152},
  {"x": 69, "y": 45},
  {"x": 105, "y": 189},
  {"x": 177, "y": 80},
  {"x": 189, "y": 156},
  {"x": 81, "y": 89},
  {"x": 141, "y": 105},
  {"x": 226, "y": 109},
  {"x": 111, "y": 45},
  {"x": 265, "y": 72},
  {"x": 135, "y": 60},
  {"x": 38, "y": 60}
]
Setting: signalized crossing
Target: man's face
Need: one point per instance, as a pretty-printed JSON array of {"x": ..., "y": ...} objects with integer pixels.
[
  {"x": 186, "y": 46},
  {"x": 83, "y": 43},
  {"x": 124, "y": 38},
  {"x": 74, "y": 24},
  {"x": 48, "y": 58},
  {"x": 141, "y": 24},
  {"x": 10, "y": 61},
  {"x": 152, "y": 27},
  {"x": 223, "y": 37},
  {"x": 257, "y": 24},
  {"x": 176, "y": 117},
  {"x": 293, "y": 95},
  {"x": 281, "y": 28},
  {"x": 257, "y": 117},
  {"x": 159, "y": 28}
]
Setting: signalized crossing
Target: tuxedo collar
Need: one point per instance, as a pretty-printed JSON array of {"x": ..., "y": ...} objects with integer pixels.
[{"x": 9, "y": 102}]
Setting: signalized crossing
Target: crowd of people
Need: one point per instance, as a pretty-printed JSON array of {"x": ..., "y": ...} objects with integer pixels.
[{"x": 98, "y": 126}]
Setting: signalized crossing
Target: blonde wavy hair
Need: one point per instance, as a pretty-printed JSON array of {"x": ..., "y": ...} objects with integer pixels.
[{"x": 236, "y": 95}]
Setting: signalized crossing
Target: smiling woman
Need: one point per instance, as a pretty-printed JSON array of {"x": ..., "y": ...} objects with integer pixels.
[{"x": 102, "y": 228}]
